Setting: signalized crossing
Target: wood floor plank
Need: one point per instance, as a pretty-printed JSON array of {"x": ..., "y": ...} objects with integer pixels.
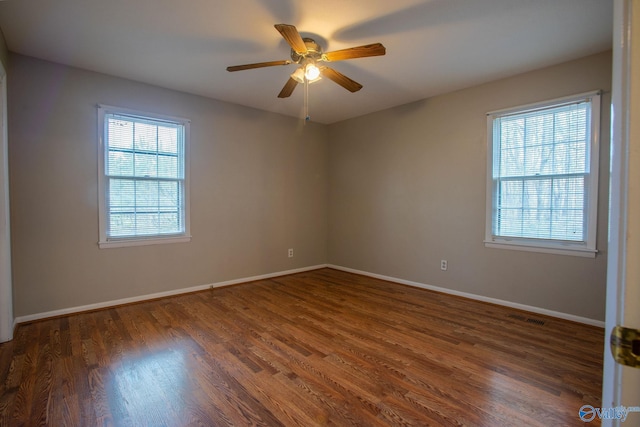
[{"x": 323, "y": 347}]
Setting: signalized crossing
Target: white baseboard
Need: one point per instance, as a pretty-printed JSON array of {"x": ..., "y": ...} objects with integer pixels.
[
  {"x": 510, "y": 304},
  {"x": 113, "y": 303}
]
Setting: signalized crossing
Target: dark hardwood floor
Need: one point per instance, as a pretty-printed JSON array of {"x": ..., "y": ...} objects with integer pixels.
[{"x": 318, "y": 348}]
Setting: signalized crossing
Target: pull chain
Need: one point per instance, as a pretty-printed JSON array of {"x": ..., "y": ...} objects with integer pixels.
[{"x": 306, "y": 100}]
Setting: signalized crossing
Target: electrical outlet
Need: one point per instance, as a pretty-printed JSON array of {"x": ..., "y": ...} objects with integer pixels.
[
  {"x": 443, "y": 265},
  {"x": 290, "y": 253}
]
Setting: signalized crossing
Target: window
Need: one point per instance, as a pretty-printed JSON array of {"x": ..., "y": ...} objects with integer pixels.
[
  {"x": 542, "y": 177},
  {"x": 142, "y": 176}
]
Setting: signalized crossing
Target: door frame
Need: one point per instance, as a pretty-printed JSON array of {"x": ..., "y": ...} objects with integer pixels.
[
  {"x": 6, "y": 288},
  {"x": 621, "y": 384}
]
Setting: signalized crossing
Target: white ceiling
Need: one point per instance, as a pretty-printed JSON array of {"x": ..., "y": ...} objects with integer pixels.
[{"x": 433, "y": 46}]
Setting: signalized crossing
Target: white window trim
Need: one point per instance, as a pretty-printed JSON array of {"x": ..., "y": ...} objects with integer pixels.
[
  {"x": 583, "y": 249},
  {"x": 104, "y": 241}
]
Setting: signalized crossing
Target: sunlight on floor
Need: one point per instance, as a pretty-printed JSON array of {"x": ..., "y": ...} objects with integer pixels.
[{"x": 152, "y": 386}]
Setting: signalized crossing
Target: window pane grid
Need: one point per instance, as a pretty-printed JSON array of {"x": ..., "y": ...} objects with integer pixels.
[
  {"x": 540, "y": 171},
  {"x": 144, "y": 167},
  {"x": 544, "y": 208}
]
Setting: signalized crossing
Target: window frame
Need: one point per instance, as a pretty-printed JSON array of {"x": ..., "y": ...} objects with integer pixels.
[
  {"x": 103, "y": 214},
  {"x": 586, "y": 248}
]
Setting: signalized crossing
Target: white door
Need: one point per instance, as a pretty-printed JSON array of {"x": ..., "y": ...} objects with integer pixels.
[
  {"x": 6, "y": 299},
  {"x": 621, "y": 384}
]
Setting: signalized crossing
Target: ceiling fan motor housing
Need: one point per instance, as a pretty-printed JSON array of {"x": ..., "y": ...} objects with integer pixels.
[{"x": 314, "y": 52}]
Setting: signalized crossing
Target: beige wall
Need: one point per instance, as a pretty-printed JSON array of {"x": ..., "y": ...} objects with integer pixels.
[
  {"x": 258, "y": 187},
  {"x": 390, "y": 193},
  {"x": 407, "y": 189}
]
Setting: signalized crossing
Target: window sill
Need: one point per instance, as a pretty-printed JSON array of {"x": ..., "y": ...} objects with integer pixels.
[
  {"x": 120, "y": 243},
  {"x": 557, "y": 250}
]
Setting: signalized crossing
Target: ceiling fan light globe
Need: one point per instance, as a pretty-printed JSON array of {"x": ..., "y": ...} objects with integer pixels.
[
  {"x": 298, "y": 75},
  {"x": 311, "y": 72}
]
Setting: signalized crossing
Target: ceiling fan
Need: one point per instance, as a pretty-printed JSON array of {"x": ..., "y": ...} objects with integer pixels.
[{"x": 308, "y": 54}]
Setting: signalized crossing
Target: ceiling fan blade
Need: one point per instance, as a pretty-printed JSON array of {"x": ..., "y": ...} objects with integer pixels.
[
  {"x": 288, "y": 88},
  {"x": 258, "y": 65},
  {"x": 292, "y": 36},
  {"x": 375, "y": 49},
  {"x": 341, "y": 79}
]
